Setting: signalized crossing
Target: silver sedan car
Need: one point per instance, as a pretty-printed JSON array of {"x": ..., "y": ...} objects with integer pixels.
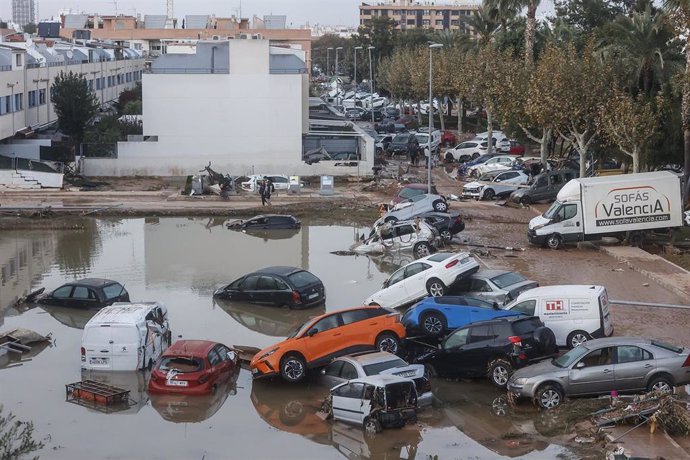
[{"x": 624, "y": 364}]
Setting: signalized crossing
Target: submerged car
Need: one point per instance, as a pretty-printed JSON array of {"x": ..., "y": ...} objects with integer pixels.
[
  {"x": 280, "y": 286},
  {"x": 367, "y": 364},
  {"x": 623, "y": 364},
  {"x": 418, "y": 236},
  {"x": 435, "y": 316},
  {"x": 315, "y": 343},
  {"x": 193, "y": 367},
  {"x": 265, "y": 222},
  {"x": 500, "y": 286},
  {"x": 86, "y": 293},
  {"x": 490, "y": 348},
  {"x": 374, "y": 403},
  {"x": 494, "y": 184},
  {"x": 431, "y": 275}
]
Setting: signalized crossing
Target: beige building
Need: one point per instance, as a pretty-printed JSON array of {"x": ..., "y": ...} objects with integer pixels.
[{"x": 410, "y": 14}]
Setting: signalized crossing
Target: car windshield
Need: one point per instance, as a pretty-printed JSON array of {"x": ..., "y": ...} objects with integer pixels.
[
  {"x": 507, "y": 279},
  {"x": 181, "y": 364},
  {"x": 410, "y": 192},
  {"x": 487, "y": 177},
  {"x": 401, "y": 139},
  {"x": 570, "y": 357},
  {"x": 441, "y": 256},
  {"x": 299, "y": 329},
  {"x": 553, "y": 209},
  {"x": 526, "y": 326},
  {"x": 377, "y": 368},
  {"x": 302, "y": 279},
  {"x": 483, "y": 158}
]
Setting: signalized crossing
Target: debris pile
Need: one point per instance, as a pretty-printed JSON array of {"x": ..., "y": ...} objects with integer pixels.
[{"x": 673, "y": 416}]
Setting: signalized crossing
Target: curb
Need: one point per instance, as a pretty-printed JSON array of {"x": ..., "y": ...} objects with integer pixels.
[{"x": 651, "y": 275}]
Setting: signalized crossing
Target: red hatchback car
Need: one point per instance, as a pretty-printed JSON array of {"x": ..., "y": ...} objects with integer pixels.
[{"x": 193, "y": 367}]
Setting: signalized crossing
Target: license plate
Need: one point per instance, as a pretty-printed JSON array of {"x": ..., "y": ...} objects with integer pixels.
[
  {"x": 313, "y": 296},
  {"x": 177, "y": 383},
  {"x": 98, "y": 361}
]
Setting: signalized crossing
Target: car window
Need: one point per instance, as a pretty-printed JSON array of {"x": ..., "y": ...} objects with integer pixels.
[
  {"x": 526, "y": 307},
  {"x": 456, "y": 339},
  {"x": 377, "y": 368},
  {"x": 223, "y": 353},
  {"x": 567, "y": 176},
  {"x": 526, "y": 326},
  {"x": 555, "y": 179},
  {"x": 569, "y": 211},
  {"x": 409, "y": 193},
  {"x": 507, "y": 279},
  {"x": 396, "y": 277},
  {"x": 480, "y": 334},
  {"x": 63, "y": 292},
  {"x": 600, "y": 357},
  {"x": 479, "y": 286},
  {"x": 353, "y": 316},
  {"x": 478, "y": 303},
  {"x": 278, "y": 180},
  {"x": 83, "y": 293},
  {"x": 112, "y": 291},
  {"x": 348, "y": 371},
  {"x": 236, "y": 284},
  {"x": 181, "y": 364},
  {"x": 302, "y": 278},
  {"x": 404, "y": 229},
  {"x": 415, "y": 268},
  {"x": 333, "y": 369},
  {"x": 350, "y": 390},
  {"x": 418, "y": 197},
  {"x": 542, "y": 182},
  {"x": 329, "y": 322},
  {"x": 631, "y": 353},
  {"x": 250, "y": 282},
  {"x": 213, "y": 357}
]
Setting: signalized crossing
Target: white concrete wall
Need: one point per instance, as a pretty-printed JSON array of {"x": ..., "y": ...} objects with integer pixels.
[{"x": 25, "y": 179}]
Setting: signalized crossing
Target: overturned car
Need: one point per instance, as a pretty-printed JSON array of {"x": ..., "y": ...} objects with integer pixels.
[{"x": 416, "y": 235}]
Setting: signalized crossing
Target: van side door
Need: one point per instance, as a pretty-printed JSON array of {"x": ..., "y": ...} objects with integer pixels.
[{"x": 570, "y": 219}]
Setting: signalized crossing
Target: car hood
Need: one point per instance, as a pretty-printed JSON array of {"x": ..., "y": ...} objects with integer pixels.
[
  {"x": 519, "y": 193},
  {"x": 538, "y": 221},
  {"x": 412, "y": 371},
  {"x": 534, "y": 370},
  {"x": 474, "y": 184},
  {"x": 402, "y": 205}
]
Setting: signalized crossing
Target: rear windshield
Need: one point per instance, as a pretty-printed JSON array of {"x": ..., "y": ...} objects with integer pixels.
[
  {"x": 302, "y": 279},
  {"x": 181, "y": 365},
  {"x": 508, "y": 279},
  {"x": 377, "y": 368},
  {"x": 441, "y": 256},
  {"x": 667, "y": 346},
  {"x": 410, "y": 192},
  {"x": 526, "y": 326},
  {"x": 401, "y": 139},
  {"x": 113, "y": 290}
]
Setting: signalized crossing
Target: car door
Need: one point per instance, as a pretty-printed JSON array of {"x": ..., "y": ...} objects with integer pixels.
[
  {"x": 84, "y": 297},
  {"x": 394, "y": 294},
  {"x": 348, "y": 404},
  {"x": 540, "y": 190},
  {"x": 355, "y": 332},
  {"x": 280, "y": 182},
  {"x": 60, "y": 297},
  {"x": 480, "y": 289},
  {"x": 324, "y": 344},
  {"x": 593, "y": 373},
  {"x": 475, "y": 355},
  {"x": 571, "y": 227},
  {"x": 450, "y": 362},
  {"x": 331, "y": 374},
  {"x": 415, "y": 280},
  {"x": 268, "y": 291},
  {"x": 633, "y": 365},
  {"x": 405, "y": 236},
  {"x": 247, "y": 289}
]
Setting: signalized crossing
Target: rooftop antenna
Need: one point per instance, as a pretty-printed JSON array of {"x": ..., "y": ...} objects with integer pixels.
[{"x": 169, "y": 5}]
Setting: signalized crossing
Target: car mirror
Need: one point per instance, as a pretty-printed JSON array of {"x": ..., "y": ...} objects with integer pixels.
[
  {"x": 580, "y": 365},
  {"x": 311, "y": 332},
  {"x": 386, "y": 284},
  {"x": 496, "y": 306}
]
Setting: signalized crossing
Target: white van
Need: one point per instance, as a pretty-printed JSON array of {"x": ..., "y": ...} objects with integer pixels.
[
  {"x": 125, "y": 337},
  {"x": 575, "y": 313}
]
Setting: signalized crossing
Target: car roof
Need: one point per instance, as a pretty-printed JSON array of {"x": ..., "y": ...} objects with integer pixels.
[
  {"x": 270, "y": 216},
  {"x": 381, "y": 379},
  {"x": 195, "y": 348},
  {"x": 417, "y": 186},
  {"x": 619, "y": 341},
  {"x": 563, "y": 290},
  {"x": 93, "y": 282},
  {"x": 370, "y": 357},
  {"x": 280, "y": 270},
  {"x": 484, "y": 274},
  {"x": 507, "y": 319},
  {"x": 452, "y": 254},
  {"x": 124, "y": 313}
]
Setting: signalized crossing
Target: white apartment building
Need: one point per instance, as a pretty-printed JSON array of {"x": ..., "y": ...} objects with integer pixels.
[{"x": 23, "y": 12}]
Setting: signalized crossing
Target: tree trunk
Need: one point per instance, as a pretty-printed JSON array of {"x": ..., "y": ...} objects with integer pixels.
[
  {"x": 636, "y": 159},
  {"x": 489, "y": 129},
  {"x": 419, "y": 113},
  {"x": 686, "y": 122},
  {"x": 461, "y": 109},
  {"x": 544, "y": 145},
  {"x": 530, "y": 26}
]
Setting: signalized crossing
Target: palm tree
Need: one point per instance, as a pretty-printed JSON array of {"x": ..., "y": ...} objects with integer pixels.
[
  {"x": 484, "y": 26},
  {"x": 530, "y": 30},
  {"x": 503, "y": 11}
]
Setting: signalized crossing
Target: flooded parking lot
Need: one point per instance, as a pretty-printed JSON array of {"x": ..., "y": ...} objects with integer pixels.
[{"x": 179, "y": 262}]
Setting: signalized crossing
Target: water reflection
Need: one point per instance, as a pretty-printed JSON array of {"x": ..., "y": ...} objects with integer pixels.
[
  {"x": 272, "y": 321},
  {"x": 10, "y": 359},
  {"x": 133, "y": 381},
  {"x": 76, "y": 248},
  {"x": 391, "y": 261},
  {"x": 70, "y": 317},
  {"x": 180, "y": 408}
]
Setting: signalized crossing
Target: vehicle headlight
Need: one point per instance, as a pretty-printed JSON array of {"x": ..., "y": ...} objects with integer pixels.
[
  {"x": 267, "y": 354},
  {"x": 538, "y": 226},
  {"x": 520, "y": 381}
]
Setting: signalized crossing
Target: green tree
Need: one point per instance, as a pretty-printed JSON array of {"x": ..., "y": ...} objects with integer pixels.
[
  {"x": 484, "y": 26},
  {"x": 29, "y": 28},
  {"x": 132, "y": 108},
  {"x": 16, "y": 438},
  {"x": 378, "y": 32},
  {"x": 74, "y": 104}
]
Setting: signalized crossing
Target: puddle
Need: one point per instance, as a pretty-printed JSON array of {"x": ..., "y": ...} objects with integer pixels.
[{"x": 179, "y": 262}]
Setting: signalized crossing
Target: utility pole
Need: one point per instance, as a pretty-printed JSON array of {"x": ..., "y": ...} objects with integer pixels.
[
  {"x": 371, "y": 85},
  {"x": 170, "y": 9},
  {"x": 355, "y": 50},
  {"x": 430, "y": 112}
]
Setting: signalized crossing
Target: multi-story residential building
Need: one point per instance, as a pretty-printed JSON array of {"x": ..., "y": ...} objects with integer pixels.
[
  {"x": 23, "y": 12},
  {"x": 27, "y": 72},
  {"x": 409, "y": 14}
]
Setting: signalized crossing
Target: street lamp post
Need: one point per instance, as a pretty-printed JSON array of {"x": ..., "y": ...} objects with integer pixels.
[
  {"x": 371, "y": 85},
  {"x": 355, "y": 50},
  {"x": 328, "y": 58},
  {"x": 430, "y": 112},
  {"x": 337, "y": 74}
]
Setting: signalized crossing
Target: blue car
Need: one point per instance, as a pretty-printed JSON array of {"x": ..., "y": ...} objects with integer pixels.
[{"x": 434, "y": 316}]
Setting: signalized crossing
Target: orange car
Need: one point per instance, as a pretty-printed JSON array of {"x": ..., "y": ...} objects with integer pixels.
[{"x": 319, "y": 340}]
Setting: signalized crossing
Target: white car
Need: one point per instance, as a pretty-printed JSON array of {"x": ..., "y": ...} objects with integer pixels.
[
  {"x": 399, "y": 236},
  {"x": 280, "y": 182},
  {"x": 431, "y": 275},
  {"x": 416, "y": 205},
  {"x": 494, "y": 184},
  {"x": 687, "y": 217},
  {"x": 466, "y": 151},
  {"x": 496, "y": 163}
]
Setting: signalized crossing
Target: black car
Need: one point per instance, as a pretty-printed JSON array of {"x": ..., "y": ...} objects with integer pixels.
[
  {"x": 392, "y": 112},
  {"x": 86, "y": 293},
  {"x": 492, "y": 348},
  {"x": 447, "y": 224},
  {"x": 399, "y": 145},
  {"x": 281, "y": 286},
  {"x": 266, "y": 222}
]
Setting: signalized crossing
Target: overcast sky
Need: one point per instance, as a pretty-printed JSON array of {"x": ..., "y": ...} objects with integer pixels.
[{"x": 329, "y": 12}]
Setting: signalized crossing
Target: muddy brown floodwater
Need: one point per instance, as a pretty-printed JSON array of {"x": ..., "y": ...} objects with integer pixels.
[{"x": 180, "y": 261}]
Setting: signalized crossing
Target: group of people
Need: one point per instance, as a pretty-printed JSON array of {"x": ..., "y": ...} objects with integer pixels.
[
  {"x": 417, "y": 152},
  {"x": 266, "y": 188}
]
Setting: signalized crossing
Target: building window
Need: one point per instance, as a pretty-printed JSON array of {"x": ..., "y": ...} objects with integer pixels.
[
  {"x": 41, "y": 96},
  {"x": 89, "y": 84},
  {"x": 384, "y": 13},
  {"x": 411, "y": 12},
  {"x": 426, "y": 22},
  {"x": 98, "y": 83},
  {"x": 454, "y": 22},
  {"x": 426, "y": 12},
  {"x": 439, "y": 22},
  {"x": 19, "y": 60},
  {"x": 397, "y": 12},
  {"x": 410, "y": 22},
  {"x": 455, "y": 12},
  {"x": 32, "y": 98},
  {"x": 4, "y": 105},
  {"x": 364, "y": 13},
  {"x": 18, "y": 104}
]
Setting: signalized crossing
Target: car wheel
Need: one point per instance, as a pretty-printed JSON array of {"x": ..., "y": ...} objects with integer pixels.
[
  {"x": 549, "y": 396},
  {"x": 430, "y": 371},
  {"x": 440, "y": 206},
  {"x": 475, "y": 155},
  {"x": 499, "y": 372},
  {"x": 292, "y": 368},
  {"x": 554, "y": 241},
  {"x": 390, "y": 219},
  {"x": 449, "y": 157},
  {"x": 435, "y": 287},
  {"x": 371, "y": 426},
  {"x": 661, "y": 383},
  {"x": 422, "y": 249},
  {"x": 446, "y": 235},
  {"x": 489, "y": 194},
  {"x": 434, "y": 324},
  {"x": 576, "y": 338},
  {"x": 525, "y": 201},
  {"x": 388, "y": 342}
]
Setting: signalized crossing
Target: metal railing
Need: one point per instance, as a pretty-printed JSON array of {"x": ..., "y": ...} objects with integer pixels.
[
  {"x": 292, "y": 71},
  {"x": 183, "y": 70},
  {"x": 5, "y": 68}
]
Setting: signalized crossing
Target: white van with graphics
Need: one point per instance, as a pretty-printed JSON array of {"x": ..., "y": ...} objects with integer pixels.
[
  {"x": 125, "y": 337},
  {"x": 575, "y": 313}
]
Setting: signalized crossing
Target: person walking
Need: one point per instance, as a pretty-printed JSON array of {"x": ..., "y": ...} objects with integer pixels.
[
  {"x": 262, "y": 192},
  {"x": 270, "y": 188}
]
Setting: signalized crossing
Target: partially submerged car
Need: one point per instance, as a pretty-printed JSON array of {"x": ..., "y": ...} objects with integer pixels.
[
  {"x": 265, "y": 222},
  {"x": 416, "y": 205},
  {"x": 501, "y": 286},
  {"x": 374, "y": 403},
  {"x": 624, "y": 364},
  {"x": 494, "y": 184},
  {"x": 193, "y": 367},
  {"x": 281, "y": 286},
  {"x": 86, "y": 293},
  {"x": 415, "y": 235},
  {"x": 370, "y": 363}
]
